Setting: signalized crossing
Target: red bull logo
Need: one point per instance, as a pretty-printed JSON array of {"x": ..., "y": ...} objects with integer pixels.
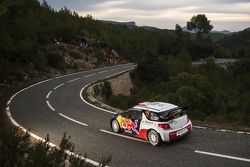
[{"x": 127, "y": 124}]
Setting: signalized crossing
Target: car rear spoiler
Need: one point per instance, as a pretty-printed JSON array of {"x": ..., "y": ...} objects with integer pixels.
[{"x": 173, "y": 111}]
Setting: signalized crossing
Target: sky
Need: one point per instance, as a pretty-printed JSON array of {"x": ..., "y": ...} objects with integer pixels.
[{"x": 232, "y": 15}]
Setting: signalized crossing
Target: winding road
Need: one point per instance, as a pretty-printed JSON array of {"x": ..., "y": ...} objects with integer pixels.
[{"x": 55, "y": 106}]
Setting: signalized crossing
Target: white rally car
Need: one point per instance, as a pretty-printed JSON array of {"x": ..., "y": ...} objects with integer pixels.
[{"x": 153, "y": 121}]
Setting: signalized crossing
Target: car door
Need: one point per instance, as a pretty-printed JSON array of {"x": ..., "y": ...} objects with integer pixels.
[
  {"x": 126, "y": 121},
  {"x": 130, "y": 122},
  {"x": 136, "y": 119}
]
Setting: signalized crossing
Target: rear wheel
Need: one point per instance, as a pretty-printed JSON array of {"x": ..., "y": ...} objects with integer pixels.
[
  {"x": 154, "y": 138},
  {"x": 115, "y": 126}
]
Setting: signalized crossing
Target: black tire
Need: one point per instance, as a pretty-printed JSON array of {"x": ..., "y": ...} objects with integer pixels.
[
  {"x": 154, "y": 138},
  {"x": 115, "y": 126}
]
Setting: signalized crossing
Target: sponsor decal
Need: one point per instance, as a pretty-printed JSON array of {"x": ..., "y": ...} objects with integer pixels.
[{"x": 129, "y": 125}]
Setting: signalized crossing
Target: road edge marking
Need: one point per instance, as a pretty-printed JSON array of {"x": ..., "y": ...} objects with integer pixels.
[
  {"x": 8, "y": 113},
  {"x": 52, "y": 108},
  {"x": 72, "y": 80},
  {"x": 99, "y": 108},
  {"x": 58, "y": 86},
  {"x": 48, "y": 94},
  {"x": 73, "y": 120},
  {"x": 199, "y": 127},
  {"x": 111, "y": 112},
  {"x": 120, "y": 135},
  {"x": 222, "y": 156},
  {"x": 49, "y": 143}
]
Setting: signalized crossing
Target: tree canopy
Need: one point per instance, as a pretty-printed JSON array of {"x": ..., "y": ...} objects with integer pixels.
[{"x": 200, "y": 24}]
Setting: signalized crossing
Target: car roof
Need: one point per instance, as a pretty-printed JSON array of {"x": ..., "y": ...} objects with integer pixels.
[{"x": 155, "y": 106}]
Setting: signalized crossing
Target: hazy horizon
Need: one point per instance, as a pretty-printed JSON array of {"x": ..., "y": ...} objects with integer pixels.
[{"x": 231, "y": 15}]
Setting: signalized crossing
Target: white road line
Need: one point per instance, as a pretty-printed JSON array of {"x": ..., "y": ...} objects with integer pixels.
[
  {"x": 8, "y": 113},
  {"x": 50, "y": 105},
  {"x": 120, "y": 135},
  {"x": 222, "y": 156},
  {"x": 58, "y": 86},
  {"x": 102, "y": 71},
  {"x": 117, "y": 73},
  {"x": 73, "y": 80},
  {"x": 50, "y": 144},
  {"x": 89, "y": 75},
  {"x": 92, "y": 104},
  {"x": 111, "y": 112},
  {"x": 72, "y": 119},
  {"x": 48, "y": 94},
  {"x": 199, "y": 127},
  {"x": 222, "y": 130}
]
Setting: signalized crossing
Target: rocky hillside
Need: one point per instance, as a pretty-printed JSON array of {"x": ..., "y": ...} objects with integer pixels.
[{"x": 84, "y": 53}]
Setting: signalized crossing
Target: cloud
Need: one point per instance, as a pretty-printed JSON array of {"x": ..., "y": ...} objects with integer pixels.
[{"x": 163, "y": 13}]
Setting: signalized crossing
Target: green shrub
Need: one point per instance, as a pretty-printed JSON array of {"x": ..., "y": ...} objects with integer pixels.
[
  {"x": 119, "y": 101},
  {"x": 17, "y": 150},
  {"x": 97, "y": 90},
  {"x": 75, "y": 54},
  {"x": 39, "y": 60},
  {"x": 106, "y": 90},
  {"x": 55, "y": 59},
  {"x": 5, "y": 68}
]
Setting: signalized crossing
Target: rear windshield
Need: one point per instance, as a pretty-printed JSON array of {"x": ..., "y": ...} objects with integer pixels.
[
  {"x": 173, "y": 113},
  {"x": 166, "y": 115}
]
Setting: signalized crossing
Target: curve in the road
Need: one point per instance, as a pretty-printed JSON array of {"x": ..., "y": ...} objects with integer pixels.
[
  {"x": 53, "y": 109},
  {"x": 53, "y": 106}
]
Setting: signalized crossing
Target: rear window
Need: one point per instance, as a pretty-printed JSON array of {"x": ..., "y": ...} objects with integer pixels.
[
  {"x": 173, "y": 113},
  {"x": 166, "y": 115}
]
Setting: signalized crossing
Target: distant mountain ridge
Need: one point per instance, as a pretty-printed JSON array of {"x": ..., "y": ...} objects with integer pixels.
[
  {"x": 132, "y": 24},
  {"x": 226, "y": 32}
]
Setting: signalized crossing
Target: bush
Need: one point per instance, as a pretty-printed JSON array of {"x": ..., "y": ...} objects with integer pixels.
[
  {"x": 106, "y": 90},
  {"x": 17, "y": 150},
  {"x": 119, "y": 101},
  {"x": 5, "y": 68},
  {"x": 75, "y": 54},
  {"x": 55, "y": 59},
  {"x": 40, "y": 60}
]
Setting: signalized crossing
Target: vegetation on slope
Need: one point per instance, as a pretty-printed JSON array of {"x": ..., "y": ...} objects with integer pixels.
[
  {"x": 214, "y": 93},
  {"x": 34, "y": 38}
]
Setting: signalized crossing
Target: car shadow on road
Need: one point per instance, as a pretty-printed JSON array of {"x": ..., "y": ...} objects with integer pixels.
[{"x": 180, "y": 141}]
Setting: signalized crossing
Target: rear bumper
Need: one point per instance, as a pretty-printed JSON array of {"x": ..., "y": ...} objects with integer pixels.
[{"x": 173, "y": 134}]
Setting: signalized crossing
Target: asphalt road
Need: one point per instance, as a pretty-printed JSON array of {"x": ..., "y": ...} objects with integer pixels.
[{"x": 54, "y": 107}]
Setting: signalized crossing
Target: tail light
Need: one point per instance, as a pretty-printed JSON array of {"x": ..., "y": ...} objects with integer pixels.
[{"x": 164, "y": 126}]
